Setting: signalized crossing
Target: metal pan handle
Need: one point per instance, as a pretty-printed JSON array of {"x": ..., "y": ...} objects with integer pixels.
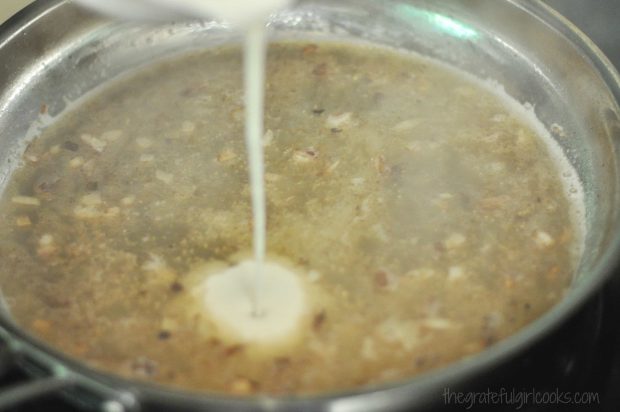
[
  {"x": 48, "y": 376},
  {"x": 28, "y": 391}
]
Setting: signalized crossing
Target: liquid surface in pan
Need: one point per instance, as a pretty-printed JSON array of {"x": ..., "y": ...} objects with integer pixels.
[{"x": 426, "y": 217}]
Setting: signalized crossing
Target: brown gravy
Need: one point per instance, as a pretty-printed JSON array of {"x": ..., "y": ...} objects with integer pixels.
[{"x": 432, "y": 220}]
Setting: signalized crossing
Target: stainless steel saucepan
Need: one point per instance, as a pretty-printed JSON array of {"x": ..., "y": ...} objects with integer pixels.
[{"x": 54, "y": 52}]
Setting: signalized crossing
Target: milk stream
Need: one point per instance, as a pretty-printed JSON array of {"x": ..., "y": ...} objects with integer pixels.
[
  {"x": 254, "y": 81},
  {"x": 250, "y": 16}
]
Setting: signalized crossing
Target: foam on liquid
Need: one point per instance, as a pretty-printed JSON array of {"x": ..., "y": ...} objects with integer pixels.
[{"x": 225, "y": 297}]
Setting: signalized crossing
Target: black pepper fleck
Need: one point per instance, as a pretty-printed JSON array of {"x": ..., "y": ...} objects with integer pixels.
[
  {"x": 176, "y": 287},
  {"x": 319, "y": 320},
  {"x": 92, "y": 186},
  {"x": 71, "y": 146}
]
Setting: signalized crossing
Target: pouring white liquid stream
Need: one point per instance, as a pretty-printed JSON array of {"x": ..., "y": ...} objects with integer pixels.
[
  {"x": 270, "y": 310},
  {"x": 254, "y": 73}
]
